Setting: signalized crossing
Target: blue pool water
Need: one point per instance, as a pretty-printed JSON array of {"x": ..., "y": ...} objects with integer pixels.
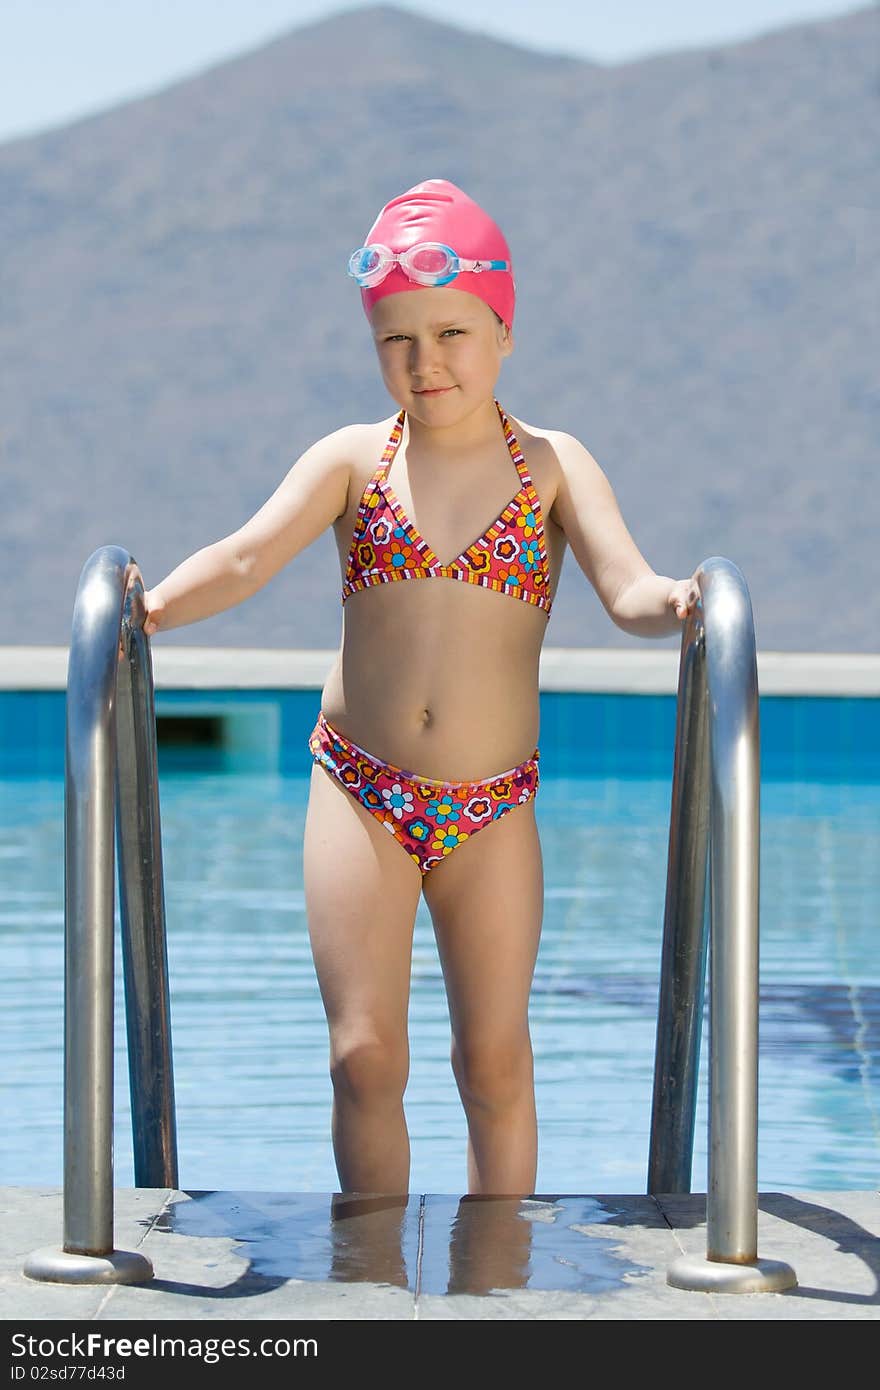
[{"x": 249, "y": 1037}]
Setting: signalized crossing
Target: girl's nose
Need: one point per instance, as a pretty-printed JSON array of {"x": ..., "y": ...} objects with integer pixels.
[{"x": 423, "y": 357}]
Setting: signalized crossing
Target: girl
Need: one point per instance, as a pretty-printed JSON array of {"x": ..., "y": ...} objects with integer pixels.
[{"x": 425, "y": 757}]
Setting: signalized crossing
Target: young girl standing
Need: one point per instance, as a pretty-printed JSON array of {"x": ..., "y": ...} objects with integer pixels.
[{"x": 425, "y": 751}]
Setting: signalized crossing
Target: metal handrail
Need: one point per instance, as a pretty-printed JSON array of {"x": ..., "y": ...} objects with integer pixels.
[
  {"x": 714, "y": 819},
  {"x": 111, "y": 783}
]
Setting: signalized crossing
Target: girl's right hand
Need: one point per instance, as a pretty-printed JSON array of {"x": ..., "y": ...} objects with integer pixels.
[{"x": 154, "y": 607}]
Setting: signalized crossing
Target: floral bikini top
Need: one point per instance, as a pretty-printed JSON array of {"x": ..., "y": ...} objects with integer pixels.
[{"x": 509, "y": 557}]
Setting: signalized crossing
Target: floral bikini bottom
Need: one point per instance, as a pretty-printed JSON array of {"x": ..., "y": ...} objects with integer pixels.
[{"x": 429, "y": 818}]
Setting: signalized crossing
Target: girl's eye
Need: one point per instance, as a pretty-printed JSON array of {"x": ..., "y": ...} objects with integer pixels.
[{"x": 399, "y": 337}]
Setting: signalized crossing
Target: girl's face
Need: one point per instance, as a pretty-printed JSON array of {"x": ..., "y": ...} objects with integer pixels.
[{"x": 439, "y": 339}]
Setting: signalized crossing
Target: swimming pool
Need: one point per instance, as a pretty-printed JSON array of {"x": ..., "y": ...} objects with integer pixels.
[{"x": 249, "y": 1037}]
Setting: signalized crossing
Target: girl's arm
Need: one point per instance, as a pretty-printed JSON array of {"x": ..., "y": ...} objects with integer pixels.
[
  {"x": 636, "y": 599},
  {"x": 308, "y": 500}
]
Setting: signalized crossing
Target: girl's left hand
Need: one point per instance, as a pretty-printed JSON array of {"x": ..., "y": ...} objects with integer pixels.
[{"x": 684, "y": 597}]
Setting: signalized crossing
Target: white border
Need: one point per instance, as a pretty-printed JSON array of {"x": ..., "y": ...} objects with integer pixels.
[{"x": 562, "y": 668}]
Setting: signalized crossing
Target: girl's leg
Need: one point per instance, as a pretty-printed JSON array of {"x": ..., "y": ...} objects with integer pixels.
[
  {"x": 362, "y": 890},
  {"x": 487, "y": 901},
  {"x": 490, "y": 1246}
]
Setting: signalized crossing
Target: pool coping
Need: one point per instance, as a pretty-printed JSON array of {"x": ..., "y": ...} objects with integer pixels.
[
  {"x": 264, "y": 1256},
  {"x": 584, "y": 669}
]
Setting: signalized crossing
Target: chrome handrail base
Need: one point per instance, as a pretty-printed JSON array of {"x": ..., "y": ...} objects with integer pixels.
[
  {"x": 702, "y": 1275},
  {"x": 53, "y": 1265}
]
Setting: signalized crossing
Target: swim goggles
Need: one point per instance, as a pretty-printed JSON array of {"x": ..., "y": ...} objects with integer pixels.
[{"x": 429, "y": 263}]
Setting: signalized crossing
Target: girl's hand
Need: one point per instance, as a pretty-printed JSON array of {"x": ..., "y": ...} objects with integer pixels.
[
  {"x": 684, "y": 597},
  {"x": 154, "y": 607}
]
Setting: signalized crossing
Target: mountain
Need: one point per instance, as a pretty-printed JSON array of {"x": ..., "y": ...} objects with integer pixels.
[{"x": 695, "y": 238}]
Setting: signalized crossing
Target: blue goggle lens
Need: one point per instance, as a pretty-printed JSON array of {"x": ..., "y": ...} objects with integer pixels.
[{"x": 429, "y": 264}]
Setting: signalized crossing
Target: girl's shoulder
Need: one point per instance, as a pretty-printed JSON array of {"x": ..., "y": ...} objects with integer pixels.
[
  {"x": 353, "y": 444},
  {"x": 363, "y": 436},
  {"x": 547, "y": 452},
  {"x": 542, "y": 436}
]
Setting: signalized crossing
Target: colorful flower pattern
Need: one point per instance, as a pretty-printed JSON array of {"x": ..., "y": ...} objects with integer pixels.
[
  {"x": 428, "y": 817},
  {"x": 510, "y": 556}
]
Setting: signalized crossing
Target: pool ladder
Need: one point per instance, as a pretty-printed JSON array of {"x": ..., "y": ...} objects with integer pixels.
[
  {"x": 714, "y": 843},
  {"x": 111, "y": 782}
]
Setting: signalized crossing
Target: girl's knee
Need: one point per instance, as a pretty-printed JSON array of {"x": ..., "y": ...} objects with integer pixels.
[
  {"x": 367, "y": 1068},
  {"x": 493, "y": 1073}
]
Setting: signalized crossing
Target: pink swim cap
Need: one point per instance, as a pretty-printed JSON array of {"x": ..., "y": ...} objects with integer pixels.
[{"x": 437, "y": 210}]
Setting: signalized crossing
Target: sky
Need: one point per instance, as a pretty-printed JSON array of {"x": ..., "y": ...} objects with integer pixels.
[{"x": 63, "y": 59}]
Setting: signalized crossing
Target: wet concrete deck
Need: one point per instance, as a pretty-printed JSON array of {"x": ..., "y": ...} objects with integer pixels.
[{"x": 254, "y": 1256}]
